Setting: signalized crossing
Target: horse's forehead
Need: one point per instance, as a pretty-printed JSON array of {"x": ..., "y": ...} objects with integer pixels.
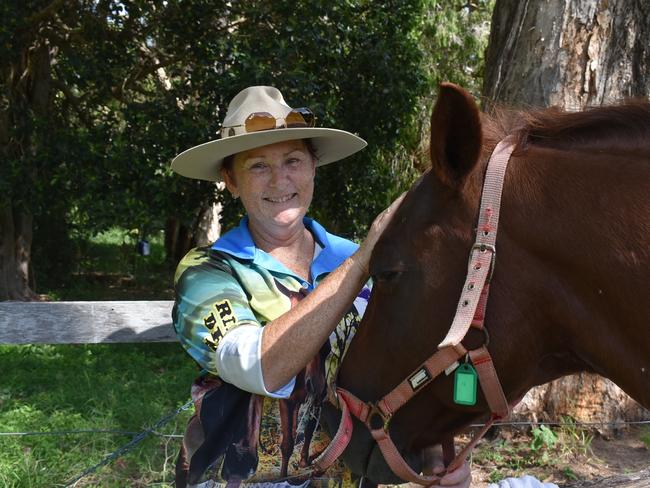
[{"x": 411, "y": 220}]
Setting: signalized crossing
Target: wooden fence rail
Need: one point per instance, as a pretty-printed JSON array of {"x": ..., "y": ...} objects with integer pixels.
[{"x": 85, "y": 322}]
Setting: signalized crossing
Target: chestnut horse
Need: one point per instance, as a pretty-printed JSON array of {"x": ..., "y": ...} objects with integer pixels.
[{"x": 570, "y": 289}]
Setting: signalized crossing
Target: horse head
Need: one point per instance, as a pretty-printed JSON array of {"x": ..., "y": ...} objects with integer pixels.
[{"x": 419, "y": 266}]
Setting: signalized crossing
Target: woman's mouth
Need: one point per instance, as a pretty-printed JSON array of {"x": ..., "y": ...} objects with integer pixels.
[{"x": 282, "y": 199}]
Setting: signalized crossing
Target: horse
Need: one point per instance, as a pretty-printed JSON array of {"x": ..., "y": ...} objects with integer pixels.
[{"x": 569, "y": 289}]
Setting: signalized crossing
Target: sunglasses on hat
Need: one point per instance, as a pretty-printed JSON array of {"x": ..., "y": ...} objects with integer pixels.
[{"x": 258, "y": 121}]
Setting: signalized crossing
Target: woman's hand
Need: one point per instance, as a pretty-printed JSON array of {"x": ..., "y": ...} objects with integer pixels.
[
  {"x": 433, "y": 464},
  {"x": 376, "y": 229}
]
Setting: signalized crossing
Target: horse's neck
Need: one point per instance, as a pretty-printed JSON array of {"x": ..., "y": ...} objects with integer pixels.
[{"x": 574, "y": 241}]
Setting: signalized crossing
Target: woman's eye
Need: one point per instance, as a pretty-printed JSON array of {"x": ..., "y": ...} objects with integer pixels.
[
  {"x": 258, "y": 166},
  {"x": 294, "y": 161}
]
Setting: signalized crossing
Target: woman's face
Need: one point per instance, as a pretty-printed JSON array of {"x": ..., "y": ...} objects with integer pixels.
[{"x": 275, "y": 183}]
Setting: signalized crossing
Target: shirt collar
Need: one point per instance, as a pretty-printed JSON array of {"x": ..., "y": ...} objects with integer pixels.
[{"x": 239, "y": 243}]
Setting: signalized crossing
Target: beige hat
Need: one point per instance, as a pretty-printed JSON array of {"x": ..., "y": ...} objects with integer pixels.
[{"x": 204, "y": 161}]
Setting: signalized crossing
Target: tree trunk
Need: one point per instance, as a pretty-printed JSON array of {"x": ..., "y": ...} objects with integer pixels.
[
  {"x": 570, "y": 53},
  {"x": 178, "y": 240},
  {"x": 15, "y": 247},
  {"x": 208, "y": 227},
  {"x": 29, "y": 93}
]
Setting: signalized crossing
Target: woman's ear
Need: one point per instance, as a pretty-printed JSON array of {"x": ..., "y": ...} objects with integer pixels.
[{"x": 229, "y": 179}]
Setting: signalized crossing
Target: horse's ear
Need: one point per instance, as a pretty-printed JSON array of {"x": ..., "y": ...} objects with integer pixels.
[{"x": 455, "y": 135}]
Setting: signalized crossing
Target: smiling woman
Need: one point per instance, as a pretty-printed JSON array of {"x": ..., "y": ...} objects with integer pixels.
[
  {"x": 276, "y": 185},
  {"x": 268, "y": 310}
]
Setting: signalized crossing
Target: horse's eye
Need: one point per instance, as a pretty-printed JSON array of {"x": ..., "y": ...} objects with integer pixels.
[{"x": 386, "y": 276}]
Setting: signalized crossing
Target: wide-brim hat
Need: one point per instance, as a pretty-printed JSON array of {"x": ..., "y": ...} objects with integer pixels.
[{"x": 204, "y": 161}]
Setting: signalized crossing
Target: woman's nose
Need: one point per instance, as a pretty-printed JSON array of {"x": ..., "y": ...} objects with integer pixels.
[{"x": 278, "y": 175}]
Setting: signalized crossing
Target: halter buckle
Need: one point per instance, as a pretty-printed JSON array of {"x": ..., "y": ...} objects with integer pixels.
[
  {"x": 482, "y": 247},
  {"x": 377, "y": 419}
]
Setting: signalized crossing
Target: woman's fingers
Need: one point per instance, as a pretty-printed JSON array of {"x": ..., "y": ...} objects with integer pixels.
[
  {"x": 383, "y": 219},
  {"x": 460, "y": 478}
]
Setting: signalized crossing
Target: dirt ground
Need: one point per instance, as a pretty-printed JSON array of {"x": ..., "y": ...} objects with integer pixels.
[{"x": 575, "y": 455}]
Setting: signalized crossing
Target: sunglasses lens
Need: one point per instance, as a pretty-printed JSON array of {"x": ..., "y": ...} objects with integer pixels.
[
  {"x": 259, "y": 121},
  {"x": 300, "y": 117}
]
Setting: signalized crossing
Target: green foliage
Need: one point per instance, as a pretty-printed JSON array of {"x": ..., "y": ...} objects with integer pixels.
[
  {"x": 574, "y": 438},
  {"x": 543, "y": 438},
  {"x": 542, "y": 452},
  {"x": 134, "y": 83},
  {"x": 455, "y": 36},
  {"x": 570, "y": 474}
]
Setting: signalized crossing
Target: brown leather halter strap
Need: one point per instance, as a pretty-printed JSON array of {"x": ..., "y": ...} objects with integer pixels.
[{"x": 469, "y": 313}]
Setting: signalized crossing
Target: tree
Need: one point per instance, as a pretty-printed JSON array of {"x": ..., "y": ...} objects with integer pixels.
[
  {"x": 570, "y": 53},
  {"x": 74, "y": 77},
  {"x": 99, "y": 95}
]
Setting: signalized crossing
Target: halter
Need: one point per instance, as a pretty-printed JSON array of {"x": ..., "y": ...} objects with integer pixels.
[{"x": 470, "y": 312}]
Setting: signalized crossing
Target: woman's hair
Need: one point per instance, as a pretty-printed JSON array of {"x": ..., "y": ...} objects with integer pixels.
[{"x": 229, "y": 160}]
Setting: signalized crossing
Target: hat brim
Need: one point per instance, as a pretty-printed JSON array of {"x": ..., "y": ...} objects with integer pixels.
[{"x": 204, "y": 161}]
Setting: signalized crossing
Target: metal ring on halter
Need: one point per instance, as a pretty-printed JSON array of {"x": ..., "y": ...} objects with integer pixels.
[{"x": 383, "y": 420}]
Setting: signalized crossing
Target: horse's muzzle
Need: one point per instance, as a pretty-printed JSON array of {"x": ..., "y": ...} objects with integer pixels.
[{"x": 363, "y": 456}]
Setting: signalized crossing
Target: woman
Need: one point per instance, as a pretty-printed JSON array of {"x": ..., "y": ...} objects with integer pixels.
[{"x": 271, "y": 297}]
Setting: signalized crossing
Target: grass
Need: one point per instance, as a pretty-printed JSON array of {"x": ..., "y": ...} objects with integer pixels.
[
  {"x": 115, "y": 387},
  {"x": 125, "y": 387}
]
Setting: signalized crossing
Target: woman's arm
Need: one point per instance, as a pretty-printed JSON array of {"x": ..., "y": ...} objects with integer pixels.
[{"x": 293, "y": 339}]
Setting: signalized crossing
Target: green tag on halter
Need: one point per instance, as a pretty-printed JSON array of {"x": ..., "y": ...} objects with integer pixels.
[{"x": 465, "y": 385}]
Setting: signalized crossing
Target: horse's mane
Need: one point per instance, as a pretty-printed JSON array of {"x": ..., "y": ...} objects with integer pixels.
[{"x": 625, "y": 125}]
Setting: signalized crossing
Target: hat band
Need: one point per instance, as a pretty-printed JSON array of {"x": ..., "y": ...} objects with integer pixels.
[{"x": 259, "y": 121}]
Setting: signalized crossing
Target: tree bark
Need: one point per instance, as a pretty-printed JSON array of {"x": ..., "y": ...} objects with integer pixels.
[
  {"x": 208, "y": 227},
  {"x": 29, "y": 91},
  {"x": 178, "y": 240},
  {"x": 570, "y": 53},
  {"x": 15, "y": 249}
]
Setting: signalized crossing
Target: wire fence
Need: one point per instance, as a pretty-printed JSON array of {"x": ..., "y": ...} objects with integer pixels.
[
  {"x": 138, "y": 437},
  {"x": 528, "y": 423}
]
